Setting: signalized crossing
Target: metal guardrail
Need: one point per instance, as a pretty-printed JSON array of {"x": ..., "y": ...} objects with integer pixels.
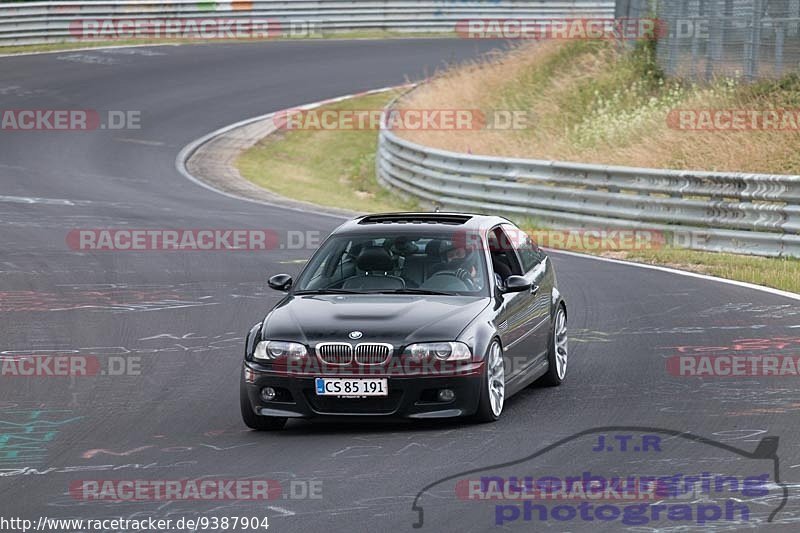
[
  {"x": 46, "y": 22},
  {"x": 726, "y": 212}
]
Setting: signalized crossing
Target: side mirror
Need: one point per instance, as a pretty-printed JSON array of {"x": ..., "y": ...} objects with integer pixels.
[
  {"x": 516, "y": 284},
  {"x": 280, "y": 282}
]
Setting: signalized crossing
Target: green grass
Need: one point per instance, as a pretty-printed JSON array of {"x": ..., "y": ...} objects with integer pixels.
[
  {"x": 366, "y": 34},
  {"x": 780, "y": 273},
  {"x": 331, "y": 168}
]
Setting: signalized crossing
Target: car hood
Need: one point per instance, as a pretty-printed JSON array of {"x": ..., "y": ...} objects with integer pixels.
[{"x": 394, "y": 319}]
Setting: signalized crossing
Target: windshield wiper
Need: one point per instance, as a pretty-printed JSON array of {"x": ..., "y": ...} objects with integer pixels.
[
  {"x": 418, "y": 291},
  {"x": 392, "y": 291},
  {"x": 327, "y": 291}
]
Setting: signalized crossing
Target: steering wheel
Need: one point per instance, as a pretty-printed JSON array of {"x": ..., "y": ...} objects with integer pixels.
[{"x": 460, "y": 274}]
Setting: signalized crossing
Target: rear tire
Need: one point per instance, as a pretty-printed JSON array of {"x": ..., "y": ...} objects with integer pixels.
[
  {"x": 493, "y": 388},
  {"x": 557, "y": 349},
  {"x": 254, "y": 421}
]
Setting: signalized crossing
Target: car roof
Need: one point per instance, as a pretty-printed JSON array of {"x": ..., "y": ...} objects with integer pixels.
[{"x": 422, "y": 222}]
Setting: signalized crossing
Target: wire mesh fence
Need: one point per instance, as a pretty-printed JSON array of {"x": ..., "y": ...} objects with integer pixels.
[{"x": 702, "y": 39}]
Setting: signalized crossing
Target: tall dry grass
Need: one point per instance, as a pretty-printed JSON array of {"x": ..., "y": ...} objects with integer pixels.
[{"x": 590, "y": 102}]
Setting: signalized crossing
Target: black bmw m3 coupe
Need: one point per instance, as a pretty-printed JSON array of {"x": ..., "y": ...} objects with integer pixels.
[{"x": 410, "y": 315}]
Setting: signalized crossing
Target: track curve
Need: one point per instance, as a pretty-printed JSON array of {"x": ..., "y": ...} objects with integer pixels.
[{"x": 185, "y": 314}]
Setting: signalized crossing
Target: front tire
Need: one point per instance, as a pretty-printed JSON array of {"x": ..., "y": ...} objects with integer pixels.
[
  {"x": 252, "y": 420},
  {"x": 557, "y": 349},
  {"x": 493, "y": 389}
]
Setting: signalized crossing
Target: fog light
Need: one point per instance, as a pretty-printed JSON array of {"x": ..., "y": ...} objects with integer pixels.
[
  {"x": 268, "y": 394},
  {"x": 446, "y": 395}
]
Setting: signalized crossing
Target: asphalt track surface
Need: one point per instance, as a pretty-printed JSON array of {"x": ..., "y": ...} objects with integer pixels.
[{"x": 185, "y": 315}]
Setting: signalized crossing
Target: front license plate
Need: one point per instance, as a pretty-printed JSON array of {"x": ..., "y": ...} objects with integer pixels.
[{"x": 351, "y": 387}]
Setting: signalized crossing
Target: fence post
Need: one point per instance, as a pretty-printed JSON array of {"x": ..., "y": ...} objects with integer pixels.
[
  {"x": 779, "y": 37},
  {"x": 701, "y": 11},
  {"x": 716, "y": 31},
  {"x": 622, "y": 9},
  {"x": 674, "y": 45},
  {"x": 754, "y": 48},
  {"x": 794, "y": 12}
]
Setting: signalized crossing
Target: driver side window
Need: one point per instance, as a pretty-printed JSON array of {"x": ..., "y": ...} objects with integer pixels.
[
  {"x": 504, "y": 259},
  {"x": 528, "y": 252}
]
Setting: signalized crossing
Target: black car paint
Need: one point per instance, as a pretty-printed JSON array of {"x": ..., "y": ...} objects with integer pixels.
[
  {"x": 521, "y": 320},
  {"x": 399, "y": 319}
]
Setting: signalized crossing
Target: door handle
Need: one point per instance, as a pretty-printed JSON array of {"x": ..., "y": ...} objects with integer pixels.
[{"x": 534, "y": 289}]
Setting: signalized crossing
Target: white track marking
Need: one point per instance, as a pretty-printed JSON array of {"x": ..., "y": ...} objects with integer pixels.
[
  {"x": 743, "y": 284},
  {"x": 34, "y": 200},
  {"x": 89, "y": 49},
  {"x": 191, "y": 148},
  {"x": 138, "y": 141},
  {"x": 284, "y": 512}
]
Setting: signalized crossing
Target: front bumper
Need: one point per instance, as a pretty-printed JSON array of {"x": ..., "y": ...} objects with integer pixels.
[{"x": 409, "y": 396}]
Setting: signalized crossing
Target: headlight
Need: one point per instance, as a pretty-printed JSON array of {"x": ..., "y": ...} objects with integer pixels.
[
  {"x": 270, "y": 350},
  {"x": 441, "y": 351}
]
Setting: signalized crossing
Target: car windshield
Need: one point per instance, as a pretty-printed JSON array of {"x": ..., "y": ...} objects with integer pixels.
[{"x": 401, "y": 263}]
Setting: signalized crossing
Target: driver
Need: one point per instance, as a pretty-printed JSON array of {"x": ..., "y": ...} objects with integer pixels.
[{"x": 464, "y": 264}]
